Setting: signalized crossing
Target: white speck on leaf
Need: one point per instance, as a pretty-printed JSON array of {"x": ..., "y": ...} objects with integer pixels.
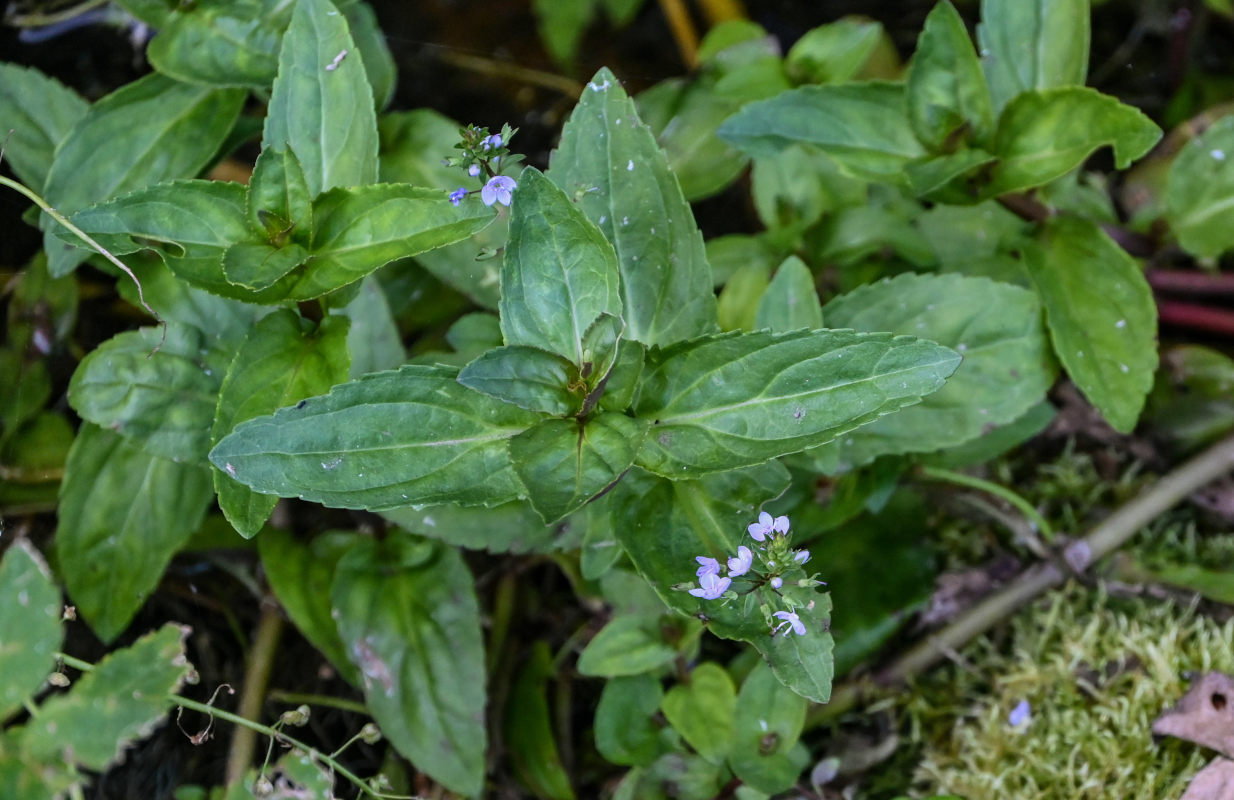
[
  {"x": 603, "y": 217},
  {"x": 332, "y": 463},
  {"x": 593, "y": 86},
  {"x": 1218, "y": 155},
  {"x": 625, "y": 220},
  {"x": 630, "y": 165},
  {"x": 1124, "y": 368},
  {"x": 333, "y": 65},
  {"x": 230, "y": 469},
  {"x": 1122, "y": 323}
]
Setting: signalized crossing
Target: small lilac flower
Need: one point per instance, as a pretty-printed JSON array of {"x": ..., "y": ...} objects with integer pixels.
[
  {"x": 457, "y": 195},
  {"x": 741, "y": 564},
  {"x": 492, "y": 143},
  {"x": 712, "y": 586},
  {"x": 1020, "y": 715},
  {"x": 709, "y": 566},
  {"x": 777, "y": 582},
  {"x": 497, "y": 190},
  {"x": 801, "y": 556},
  {"x": 790, "y": 619},
  {"x": 767, "y": 526},
  {"x": 474, "y": 170}
]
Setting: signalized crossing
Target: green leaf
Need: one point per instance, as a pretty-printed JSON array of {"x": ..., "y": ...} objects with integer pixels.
[
  {"x": 190, "y": 224},
  {"x": 628, "y": 645},
  {"x": 1200, "y": 191},
  {"x": 1101, "y": 315},
  {"x": 355, "y": 231},
  {"x": 622, "y": 380},
  {"x": 321, "y": 104},
  {"x": 626, "y": 729},
  {"x": 387, "y": 440},
  {"x": 30, "y": 632},
  {"x": 125, "y": 697},
  {"x": 996, "y": 327},
  {"x": 406, "y": 610},
  {"x": 790, "y": 302},
  {"x": 768, "y": 723},
  {"x": 600, "y": 549},
  {"x": 559, "y": 274},
  {"x": 1033, "y": 44},
  {"x": 733, "y": 400},
  {"x": 123, "y": 514},
  {"x": 155, "y": 386},
  {"x": 863, "y": 127},
  {"x": 627, "y": 189},
  {"x": 563, "y": 463},
  {"x": 833, "y": 53},
  {"x": 508, "y": 528},
  {"x": 996, "y": 441},
  {"x": 39, "y": 111},
  {"x": 1045, "y": 134},
  {"x": 284, "y": 359},
  {"x": 259, "y": 266},
  {"x": 684, "y": 116},
  {"x": 279, "y": 203},
  {"x": 301, "y": 574},
  {"x": 224, "y": 322},
  {"x": 373, "y": 339},
  {"x": 414, "y": 148},
  {"x": 221, "y": 44},
  {"x": 529, "y": 731},
  {"x": 528, "y": 377},
  {"x": 738, "y": 305},
  {"x": 562, "y": 25},
  {"x": 702, "y": 709},
  {"x": 185, "y": 124},
  {"x": 947, "y": 178},
  {"x": 947, "y": 95},
  {"x": 378, "y": 61}
]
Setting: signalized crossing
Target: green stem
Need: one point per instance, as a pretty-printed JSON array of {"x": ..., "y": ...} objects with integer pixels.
[
  {"x": 989, "y": 487},
  {"x": 63, "y": 220},
  {"x": 236, "y": 719},
  {"x": 256, "y": 679},
  {"x": 298, "y": 698}
]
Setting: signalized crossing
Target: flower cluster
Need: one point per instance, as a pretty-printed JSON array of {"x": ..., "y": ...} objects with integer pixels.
[
  {"x": 484, "y": 156},
  {"x": 761, "y": 569}
]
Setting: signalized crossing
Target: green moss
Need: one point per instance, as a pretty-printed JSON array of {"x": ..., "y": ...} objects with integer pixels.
[{"x": 1096, "y": 671}]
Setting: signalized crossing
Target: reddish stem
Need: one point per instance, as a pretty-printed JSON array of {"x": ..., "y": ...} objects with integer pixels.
[
  {"x": 1191, "y": 315},
  {"x": 1191, "y": 282}
]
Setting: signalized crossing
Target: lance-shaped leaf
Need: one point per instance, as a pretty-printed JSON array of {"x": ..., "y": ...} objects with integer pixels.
[
  {"x": 996, "y": 327},
  {"x": 564, "y": 462},
  {"x": 407, "y": 613},
  {"x": 946, "y": 90},
  {"x": 184, "y": 124},
  {"x": 29, "y": 625},
  {"x": 733, "y": 400},
  {"x": 863, "y": 127},
  {"x": 222, "y": 44},
  {"x": 260, "y": 265},
  {"x": 123, "y": 514},
  {"x": 279, "y": 203},
  {"x": 321, "y": 104},
  {"x": 790, "y": 302},
  {"x": 355, "y": 231},
  {"x": 301, "y": 574},
  {"x": 1200, "y": 191},
  {"x": 157, "y": 389},
  {"x": 663, "y": 525},
  {"x": 528, "y": 377},
  {"x": 39, "y": 111},
  {"x": 559, "y": 273},
  {"x": 1101, "y": 315},
  {"x": 125, "y": 697},
  {"x": 387, "y": 440},
  {"x": 608, "y": 160},
  {"x": 283, "y": 360},
  {"x": 1043, "y": 135},
  {"x": 529, "y": 731},
  {"x": 1033, "y": 44}
]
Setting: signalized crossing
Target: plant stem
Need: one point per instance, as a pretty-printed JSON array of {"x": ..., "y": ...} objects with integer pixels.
[
  {"x": 63, "y": 220},
  {"x": 1104, "y": 539},
  {"x": 1196, "y": 317},
  {"x": 682, "y": 28},
  {"x": 989, "y": 487},
  {"x": 256, "y": 679},
  {"x": 511, "y": 71},
  {"x": 298, "y": 698}
]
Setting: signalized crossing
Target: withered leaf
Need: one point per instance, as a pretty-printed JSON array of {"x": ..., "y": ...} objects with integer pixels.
[{"x": 1204, "y": 715}]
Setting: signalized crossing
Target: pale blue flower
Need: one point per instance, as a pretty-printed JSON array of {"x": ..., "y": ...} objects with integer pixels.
[
  {"x": 767, "y": 526},
  {"x": 712, "y": 586},
  {"x": 801, "y": 556},
  {"x": 790, "y": 619},
  {"x": 709, "y": 566},
  {"x": 498, "y": 190},
  {"x": 491, "y": 143},
  {"x": 474, "y": 170},
  {"x": 741, "y": 564},
  {"x": 777, "y": 582},
  {"x": 457, "y": 195},
  {"x": 1020, "y": 715}
]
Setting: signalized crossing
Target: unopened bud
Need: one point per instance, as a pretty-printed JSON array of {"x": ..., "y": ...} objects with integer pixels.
[
  {"x": 297, "y": 717},
  {"x": 370, "y": 734}
]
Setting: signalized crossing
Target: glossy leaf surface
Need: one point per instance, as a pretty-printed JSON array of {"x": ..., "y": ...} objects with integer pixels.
[
  {"x": 1200, "y": 191},
  {"x": 610, "y": 162},
  {"x": 407, "y": 613},
  {"x": 1033, "y": 44},
  {"x": 727, "y": 401},
  {"x": 947, "y": 93},
  {"x": 387, "y": 440},
  {"x": 40, "y": 111},
  {"x": 528, "y": 377},
  {"x": 790, "y": 302}
]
